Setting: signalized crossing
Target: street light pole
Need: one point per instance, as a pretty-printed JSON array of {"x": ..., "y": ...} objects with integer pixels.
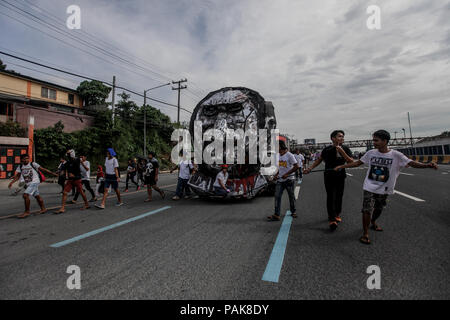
[{"x": 145, "y": 114}]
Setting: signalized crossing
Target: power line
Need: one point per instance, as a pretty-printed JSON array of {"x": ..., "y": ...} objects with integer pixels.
[
  {"x": 90, "y": 78},
  {"x": 73, "y": 46},
  {"x": 95, "y": 38},
  {"x": 72, "y": 36}
]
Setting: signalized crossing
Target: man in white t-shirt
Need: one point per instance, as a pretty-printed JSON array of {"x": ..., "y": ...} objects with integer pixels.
[
  {"x": 384, "y": 168},
  {"x": 112, "y": 178},
  {"x": 287, "y": 166},
  {"x": 300, "y": 159},
  {"x": 85, "y": 169},
  {"x": 185, "y": 167},
  {"x": 28, "y": 173},
  {"x": 220, "y": 184}
]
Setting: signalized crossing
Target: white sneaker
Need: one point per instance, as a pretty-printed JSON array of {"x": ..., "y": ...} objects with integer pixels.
[{"x": 175, "y": 198}]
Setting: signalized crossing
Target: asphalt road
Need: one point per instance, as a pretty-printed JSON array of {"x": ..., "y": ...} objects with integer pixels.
[{"x": 199, "y": 249}]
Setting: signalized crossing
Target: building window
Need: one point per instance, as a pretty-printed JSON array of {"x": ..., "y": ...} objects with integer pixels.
[
  {"x": 71, "y": 98},
  {"x": 48, "y": 93}
]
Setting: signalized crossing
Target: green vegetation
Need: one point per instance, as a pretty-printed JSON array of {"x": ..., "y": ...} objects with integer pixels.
[
  {"x": 125, "y": 135},
  {"x": 11, "y": 129}
]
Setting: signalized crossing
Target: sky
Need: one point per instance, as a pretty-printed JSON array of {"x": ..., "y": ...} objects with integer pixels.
[{"x": 317, "y": 61}]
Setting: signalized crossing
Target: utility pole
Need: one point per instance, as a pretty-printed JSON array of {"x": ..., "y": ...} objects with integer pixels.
[
  {"x": 410, "y": 134},
  {"x": 113, "y": 97},
  {"x": 179, "y": 88},
  {"x": 145, "y": 114},
  {"x": 145, "y": 124},
  {"x": 395, "y": 135}
]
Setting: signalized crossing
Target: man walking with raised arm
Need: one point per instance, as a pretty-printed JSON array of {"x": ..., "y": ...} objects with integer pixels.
[
  {"x": 333, "y": 156},
  {"x": 384, "y": 168}
]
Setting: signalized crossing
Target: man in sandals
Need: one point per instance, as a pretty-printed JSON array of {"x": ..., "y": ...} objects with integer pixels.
[
  {"x": 28, "y": 173},
  {"x": 112, "y": 178},
  {"x": 73, "y": 180},
  {"x": 334, "y": 155},
  {"x": 287, "y": 166},
  {"x": 384, "y": 168},
  {"x": 151, "y": 176}
]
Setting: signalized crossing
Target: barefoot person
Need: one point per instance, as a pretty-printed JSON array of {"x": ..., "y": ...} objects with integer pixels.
[
  {"x": 384, "y": 168},
  {"x": 335, "y": 155},
  {"x": 112, "y": 178},
  {"x": 28, "y": 173},
  {"x": 287, "y": 166},
  {"x": 151, "y": 176},
  {"x": 73, "y": 180}
]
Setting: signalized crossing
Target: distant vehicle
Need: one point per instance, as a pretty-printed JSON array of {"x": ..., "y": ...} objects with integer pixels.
[{"x": 233, "y": 108}]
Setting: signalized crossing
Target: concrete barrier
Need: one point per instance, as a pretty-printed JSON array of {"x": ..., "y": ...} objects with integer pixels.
[{"x": 436, "y": 159}]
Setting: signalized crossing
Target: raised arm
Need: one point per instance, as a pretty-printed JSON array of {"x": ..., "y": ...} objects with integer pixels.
[
  {"x": 315, "y": 164},
  {"x": 420, "y": 165}
]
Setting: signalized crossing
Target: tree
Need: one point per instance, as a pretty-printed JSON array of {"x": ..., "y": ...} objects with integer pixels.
[
  {"x": 2, "y": 66},
  {"x": 11, "y": 129},
  {"x": 93, "y": 92}
]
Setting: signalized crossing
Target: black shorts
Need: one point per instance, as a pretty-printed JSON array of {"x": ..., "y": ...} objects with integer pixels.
[{"x": 149, "y": 181}]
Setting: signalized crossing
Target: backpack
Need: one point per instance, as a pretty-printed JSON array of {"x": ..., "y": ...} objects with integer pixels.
[{"x": 40, "y": 174}]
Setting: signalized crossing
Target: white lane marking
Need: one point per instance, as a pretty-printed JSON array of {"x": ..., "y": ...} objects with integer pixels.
[
  {"x": 349, "y": 174},
  {"x": 296, "y": 192},
  {"x": 444, "y": 172},
  {"x": 406, "y": 174},
  {"x": 408, "y": 196}
]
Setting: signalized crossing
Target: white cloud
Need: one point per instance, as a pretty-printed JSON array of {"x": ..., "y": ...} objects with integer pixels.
[{"x": 316, "y": 60}]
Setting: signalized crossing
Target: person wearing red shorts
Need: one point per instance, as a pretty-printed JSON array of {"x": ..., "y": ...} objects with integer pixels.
[{"x": 73, "y": 180}]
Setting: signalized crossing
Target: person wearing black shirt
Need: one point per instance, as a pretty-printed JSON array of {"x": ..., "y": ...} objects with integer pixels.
[
  {"x": 151, "y": 176},
  {"x": 73, "y": 180},
  {"x": 335, "y": 155}
]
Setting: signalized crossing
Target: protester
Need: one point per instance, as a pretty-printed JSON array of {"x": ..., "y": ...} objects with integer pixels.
[
  {"x": 62, "y": 173},
  {"x": 300, "y": 159},
  {"x": 287, "y": 166},
  {"x": 220, "y": 184},
  {"x": 100, "y": 181},
  {"x": 151, "y": 176},
  {"x": 185, "y": 167},
  {"x": 384, "y": 168},
  {"x": 131, "y": 174},
  {"x": 85, "y": 169},
  {"x": 335, "y": 155},
  {"x": 73, "y": 180},
  {"x": 112, "y": 178},
  {"x": 140, "y": 173},
  {"x": 28, "y": 173}
]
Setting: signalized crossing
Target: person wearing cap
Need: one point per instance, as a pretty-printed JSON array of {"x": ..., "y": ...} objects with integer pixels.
[
  {"x": 220, "y": 184},
  {"x": 287, "y": 166},
  {"x": 151, "y": 176},
  {"x": 112, "y": 178}
]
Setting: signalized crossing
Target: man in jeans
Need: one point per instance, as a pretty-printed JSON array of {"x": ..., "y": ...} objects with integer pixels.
[
  {"x": 184, "y": 173},
  {"x": 287, "y": 166}
]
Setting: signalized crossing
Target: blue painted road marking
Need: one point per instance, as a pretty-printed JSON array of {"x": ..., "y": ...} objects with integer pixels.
[
  {"x": 115, "y": 225},
  {"x": 273, "y": 268}
]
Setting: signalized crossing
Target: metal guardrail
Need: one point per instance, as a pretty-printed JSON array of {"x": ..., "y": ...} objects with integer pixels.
[{"x": 364, "y": 143}]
